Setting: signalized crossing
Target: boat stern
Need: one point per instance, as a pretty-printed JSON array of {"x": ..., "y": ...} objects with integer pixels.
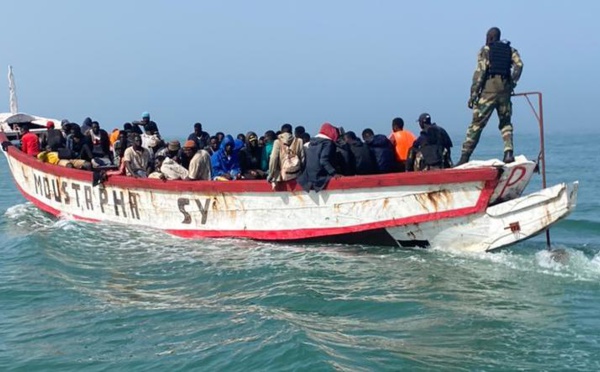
[{"x": 501, "y": 225}]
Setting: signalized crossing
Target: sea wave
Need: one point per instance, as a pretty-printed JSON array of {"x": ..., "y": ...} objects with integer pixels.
[{"x": 106, "y": 295}]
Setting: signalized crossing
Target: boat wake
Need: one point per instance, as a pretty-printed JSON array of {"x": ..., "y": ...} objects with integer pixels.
[
  {"x": 27, "y": 217},
  {"x": 572, "y": 263}
]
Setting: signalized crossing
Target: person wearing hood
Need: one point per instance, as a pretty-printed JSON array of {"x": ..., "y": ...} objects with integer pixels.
[
  {"x": 345, "y": 162},
  {"x": 74, "y": 128},
  {"x": 364, "y": 159},
  {"x": 251, "y": 158},
  {"x": 225, "y": 162},
  {"x": 86, "y": 126},
  {"x": 287, "y": 157},
  {"x": 383, "y": 150},
  {"x": 320, "y": 160}
]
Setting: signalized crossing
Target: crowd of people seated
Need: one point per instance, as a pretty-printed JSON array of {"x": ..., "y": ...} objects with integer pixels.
[{"x": 138, "y": 150}]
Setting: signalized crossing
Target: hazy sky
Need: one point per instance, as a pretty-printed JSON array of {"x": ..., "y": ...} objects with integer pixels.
[{"x": 241, "y": 65}]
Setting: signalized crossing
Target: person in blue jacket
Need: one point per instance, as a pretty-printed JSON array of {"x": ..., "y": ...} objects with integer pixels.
[
  {"x": 382, "y": 149},
  {"x": 225, "y": 162}
]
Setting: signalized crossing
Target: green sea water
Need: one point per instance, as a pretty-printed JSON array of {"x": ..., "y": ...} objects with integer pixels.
[{"x": 104, "y": 297}]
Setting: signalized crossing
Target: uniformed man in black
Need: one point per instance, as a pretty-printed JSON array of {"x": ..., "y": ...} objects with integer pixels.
[{"x": 431, "y": 149}]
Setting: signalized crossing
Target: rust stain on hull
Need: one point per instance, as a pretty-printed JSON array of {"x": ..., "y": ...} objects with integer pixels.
[{"x": 433, "y": 200}]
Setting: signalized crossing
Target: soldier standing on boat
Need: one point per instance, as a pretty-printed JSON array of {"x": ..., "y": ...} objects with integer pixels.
[{"x": 499, "y": 68}]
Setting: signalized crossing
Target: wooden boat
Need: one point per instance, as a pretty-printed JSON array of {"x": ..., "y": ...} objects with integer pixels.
[{"x": 476, "y": 207}]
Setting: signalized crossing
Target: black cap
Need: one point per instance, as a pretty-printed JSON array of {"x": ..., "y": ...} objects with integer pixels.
[{"x": 424, "y": 118}]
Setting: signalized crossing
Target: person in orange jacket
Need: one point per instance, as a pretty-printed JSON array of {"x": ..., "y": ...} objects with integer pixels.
[{"x": 402, "y": 140}]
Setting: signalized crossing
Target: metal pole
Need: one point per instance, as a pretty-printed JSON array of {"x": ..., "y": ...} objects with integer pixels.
[
  {"x": 540, "y": 119},
  {"x": 543, "y": 150}
]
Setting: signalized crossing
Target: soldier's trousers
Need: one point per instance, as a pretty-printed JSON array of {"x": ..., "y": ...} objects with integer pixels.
[{"x": 488, "y": 102}]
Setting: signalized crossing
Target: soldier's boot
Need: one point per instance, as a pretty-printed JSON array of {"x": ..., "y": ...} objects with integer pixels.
[
  {"x": 464, "y": 158},
  {"x": 508, "y": 156}
]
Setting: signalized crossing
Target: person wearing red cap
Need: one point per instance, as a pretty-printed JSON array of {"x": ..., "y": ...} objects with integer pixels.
[
  {"x": 320, "y": 160},
  {"x": 52, "y": 139},
  {"x": 29, "y": 141}
]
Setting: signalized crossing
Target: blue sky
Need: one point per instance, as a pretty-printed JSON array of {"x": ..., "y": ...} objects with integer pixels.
[{"x": 254, "y": 65}]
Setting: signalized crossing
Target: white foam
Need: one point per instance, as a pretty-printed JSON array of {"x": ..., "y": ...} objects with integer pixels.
[
  {"x": 17, "y": 211},
  {"x": 574, "y": 264}
]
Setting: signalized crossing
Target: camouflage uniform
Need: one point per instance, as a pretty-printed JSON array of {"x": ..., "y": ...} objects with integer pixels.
[{"x": 489, "y": 93}]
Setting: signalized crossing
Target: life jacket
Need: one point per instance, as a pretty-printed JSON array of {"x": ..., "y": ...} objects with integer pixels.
[
  {"x": 500, "y": 56},
  {"x": 114, "y": 136},
  {"x": 403, "y": 142},
  {"x": 290, "y": 161}
]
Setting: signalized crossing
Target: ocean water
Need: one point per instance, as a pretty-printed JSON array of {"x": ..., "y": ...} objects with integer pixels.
[{"x": 101, "y": 297}]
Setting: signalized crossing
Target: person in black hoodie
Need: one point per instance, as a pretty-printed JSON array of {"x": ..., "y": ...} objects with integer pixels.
[
  {"x": 382, "y": 149},
  {"x": 320, "y": 160},
  {"x": 52, "y": 139},
  {"x": 86, "y": 125},
  {"x": 363, "y": 157},
  {"x": 251, "y": 157},
  {"x": 345, "y": 162}
]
